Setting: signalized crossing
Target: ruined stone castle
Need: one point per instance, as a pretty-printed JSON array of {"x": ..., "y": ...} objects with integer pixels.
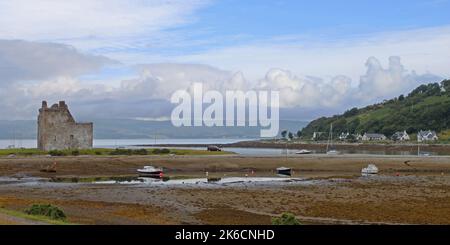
[{"x": 58, "y": 130}]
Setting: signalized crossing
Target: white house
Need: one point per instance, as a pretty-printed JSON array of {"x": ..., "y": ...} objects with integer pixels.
[
  {"x": 427, "y": 135},
  {"x": 373, "y": 137},
  {"x": 359, "y": 137},
  {"x": 400, "y": 136},
  {"x": 344, "y": 136},
  {"x": 316, "y": 135}
]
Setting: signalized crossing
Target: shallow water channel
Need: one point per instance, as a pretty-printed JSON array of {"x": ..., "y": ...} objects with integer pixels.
[{"x": 150, "y": 181}]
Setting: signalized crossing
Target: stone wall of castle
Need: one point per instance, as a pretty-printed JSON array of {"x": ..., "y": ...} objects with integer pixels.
[{"x": 57, "y": 129}]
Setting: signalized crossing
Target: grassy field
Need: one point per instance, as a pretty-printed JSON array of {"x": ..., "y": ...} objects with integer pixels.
[
  {"x": 38, "y": 218},
  {"x": 107, "y": 152}
]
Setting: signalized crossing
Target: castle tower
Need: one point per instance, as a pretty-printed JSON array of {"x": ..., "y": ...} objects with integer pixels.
[{"x": 58, "y": 130}]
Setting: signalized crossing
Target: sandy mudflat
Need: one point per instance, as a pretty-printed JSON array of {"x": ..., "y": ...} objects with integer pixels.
[{"x": 408, "y": 190}]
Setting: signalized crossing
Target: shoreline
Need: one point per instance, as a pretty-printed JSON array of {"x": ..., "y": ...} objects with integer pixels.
[{"x": 442, "y": 149}]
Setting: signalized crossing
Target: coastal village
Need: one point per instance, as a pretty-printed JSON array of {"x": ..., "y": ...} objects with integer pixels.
[
  {"x": 423, "y": 136},
  {"x": 403, "y": 136}
]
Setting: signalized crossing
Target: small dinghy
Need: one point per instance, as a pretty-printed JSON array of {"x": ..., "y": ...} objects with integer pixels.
[
  {"x": 332, "y": 152},
  {"x": 284, "y": 171},
  {"x": 303, "y": 151},
  {"x": 371, "y": 169},
  {"x": 150, "y": 171}
]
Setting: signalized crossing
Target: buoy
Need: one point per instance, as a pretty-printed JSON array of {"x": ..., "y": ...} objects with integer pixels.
[{"x": 397, "y": 174}]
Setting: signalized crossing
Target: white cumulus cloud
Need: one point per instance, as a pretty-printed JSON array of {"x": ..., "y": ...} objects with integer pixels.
[
  {"x": 304, "y": 91},
  {"x": 24, "y": 60},
  {"x": 147, "y": 95},
  {"x": 382, "y": 83}
]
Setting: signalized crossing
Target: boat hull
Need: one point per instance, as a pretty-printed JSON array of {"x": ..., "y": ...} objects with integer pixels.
[
  {"x": 285, "y": 172},
  {"x": 332, "y": 152},
  {"x": 149, "y": 172},
  {"x": 303, "y": 152},
  {"x": 369, "y": 172}
]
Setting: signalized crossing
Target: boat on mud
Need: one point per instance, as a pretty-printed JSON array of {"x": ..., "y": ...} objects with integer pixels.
[
  {"x": 284, "y": 171},
  {"x": 303, "y": 152},
  {"x": 371, "y": 169},
  {"x": 150, "y": 171},
  {"x": 332, "y": 152}
]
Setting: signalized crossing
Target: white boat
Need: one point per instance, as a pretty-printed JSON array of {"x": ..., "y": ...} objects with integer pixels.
[
  {"x": 303, "y": 151},
  {"x": 150, "y": 170},
  {"x": 370, "y": 169},
  {"x": 332, "y": 152},
  {"x": 425, "y": 154}
]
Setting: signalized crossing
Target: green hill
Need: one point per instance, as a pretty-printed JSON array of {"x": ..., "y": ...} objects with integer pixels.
[{"x": 426, "y": 107}]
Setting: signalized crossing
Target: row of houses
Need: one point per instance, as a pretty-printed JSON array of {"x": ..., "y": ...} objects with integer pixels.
[
  {"x": 365, "y": 137},
  {"x": 422, "y": 136}
]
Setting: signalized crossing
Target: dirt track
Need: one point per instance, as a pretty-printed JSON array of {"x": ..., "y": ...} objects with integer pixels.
[{"x": 12, "y": 220}]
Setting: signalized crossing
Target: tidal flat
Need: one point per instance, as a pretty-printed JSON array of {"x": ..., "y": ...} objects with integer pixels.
[{"x": 322, "y": 190}]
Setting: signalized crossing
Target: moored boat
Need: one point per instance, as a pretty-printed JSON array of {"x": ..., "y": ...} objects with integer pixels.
[
  {"x": 284, "y": 171},
  {"x": 370, "y": 169},
  {"x": 332, "y": 152},
  {"x": 150, "y": 170},
  {"x": 303, "y": 151}
]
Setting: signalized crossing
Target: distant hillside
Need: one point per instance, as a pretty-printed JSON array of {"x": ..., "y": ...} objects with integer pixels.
[
  {"x": 426, "y": 107},
  {"x": 138, "y": 129}
]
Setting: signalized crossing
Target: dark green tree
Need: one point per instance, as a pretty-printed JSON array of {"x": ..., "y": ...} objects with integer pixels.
[
  {"x": 284, "y": 133},
  {"x": 291, "y": 135}
]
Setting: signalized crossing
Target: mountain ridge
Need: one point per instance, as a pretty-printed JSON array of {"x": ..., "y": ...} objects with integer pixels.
[{"x": 139, "y": 129}]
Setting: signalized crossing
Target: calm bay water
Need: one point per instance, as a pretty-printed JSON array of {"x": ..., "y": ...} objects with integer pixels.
[
  {"x": 131, "y": 143},
  {"x": 114, "y": 143}
]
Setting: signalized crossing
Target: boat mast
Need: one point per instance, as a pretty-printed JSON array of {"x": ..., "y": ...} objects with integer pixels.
[
  {"x": 286, "y": 152},
  {"x": 418, "y": 146},
  {"x": 330, "y": 137}
]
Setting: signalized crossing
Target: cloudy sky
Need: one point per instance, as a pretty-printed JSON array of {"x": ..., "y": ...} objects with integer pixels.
[{"x": 124, "y": 59}]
